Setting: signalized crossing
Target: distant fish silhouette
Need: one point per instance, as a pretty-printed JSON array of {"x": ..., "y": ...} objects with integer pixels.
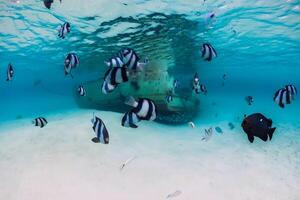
[
  {"x": 127, "y": 162},
  {"x": 174, "y": 194},
  {"x": 207, "y": 135},
  {"x": 218, "y": 129},
  {"x": 231, "y": 126}
]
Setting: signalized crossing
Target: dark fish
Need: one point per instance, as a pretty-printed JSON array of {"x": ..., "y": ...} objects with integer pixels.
[
  {"x": 218, "y": 129},
  {"x": 249, "y": 100},
  {"x": 258, "y": 125},
  {"x": 48, "y": 3},
  {"x": 231, "y": 126}
]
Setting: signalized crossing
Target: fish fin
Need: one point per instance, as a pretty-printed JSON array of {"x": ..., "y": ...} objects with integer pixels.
[
  {"x": 130, "y": 101},
  {"x": 95, "y": 140},
  {"x": 271, "y": 131},
  {"x": 250, "y": 138},
  {"x": 133, "y": 126},
  {"x": 107, "y": 63}
]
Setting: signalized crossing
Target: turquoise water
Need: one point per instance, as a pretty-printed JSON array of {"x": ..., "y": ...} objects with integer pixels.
[{"x": 258, "y": 45}]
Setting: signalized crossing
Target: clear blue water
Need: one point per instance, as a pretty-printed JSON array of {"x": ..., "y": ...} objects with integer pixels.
[{"x": 258, "y": 45}]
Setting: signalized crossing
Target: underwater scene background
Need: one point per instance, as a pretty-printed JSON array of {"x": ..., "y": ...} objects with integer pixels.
[{"x": 258, "y": 50}]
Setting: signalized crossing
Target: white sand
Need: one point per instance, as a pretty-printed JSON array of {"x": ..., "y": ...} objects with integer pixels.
[{"x": 60, "y": 162}]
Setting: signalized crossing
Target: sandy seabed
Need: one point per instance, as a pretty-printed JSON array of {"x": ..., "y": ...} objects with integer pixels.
[{"x": 60, "y": 162}]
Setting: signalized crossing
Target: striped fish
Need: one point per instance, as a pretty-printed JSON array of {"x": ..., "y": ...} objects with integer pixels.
[
  {"x": 282, "y": 97},
  {"x": 130, "y": 119},
  {"x": 144, "y": 108},
  {"x": 10, "y": 72},
  {"x": 292, "y": 90},
  {"x": 100, "y": 131},
  {"x": 196, "y": 83},
  {"x": 113, "y": 77},
  {"x": 130, "y": 58},
  {"x": 169, "y": 98},
  {"x": 40, "y": 121},
  {"x": 208, "y": 52},
  {"x": 71, "y": 61},
  {"x": 81, "y": 91},
  {"x": 285, "y": 95},
  {"x": 115, "y": 62},
  {"x": 64, "y": 30}
]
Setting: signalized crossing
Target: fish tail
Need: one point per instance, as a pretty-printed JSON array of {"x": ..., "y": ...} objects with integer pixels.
[{"x": 271, "y": 131}]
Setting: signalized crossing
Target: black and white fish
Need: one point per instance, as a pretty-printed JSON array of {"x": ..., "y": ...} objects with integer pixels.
[
  {"x": 249, "y": 100},
  {"x": 130, "y": 119},
  {"x": 81, "y": 91},
  {"x": 131, "y": 59},
  {"x": 175, "y": 84},
  {"x": 208, "y": 52},
  {"x": 292, "y": 90},
  {"x": 285, "y": 95},
  {"x": 71, "y": 62},
  {"x": 40, "y": 121},
  {"x": 64, "y": 30},
  {"x": 191, "y": 124},
  {"x": 169, "y": 98},
  {"x": 144, "y": 108},
  {"x": 196, "y": 83},
  {"x": 10, "y": 72},
  {"x": 100, "y": 131},
  {"x": 207, "y": 135},
  {"x": 113, "y": 77},
  {"x": 203, "y": 89},
  {"x": 115, "y": 62}
]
